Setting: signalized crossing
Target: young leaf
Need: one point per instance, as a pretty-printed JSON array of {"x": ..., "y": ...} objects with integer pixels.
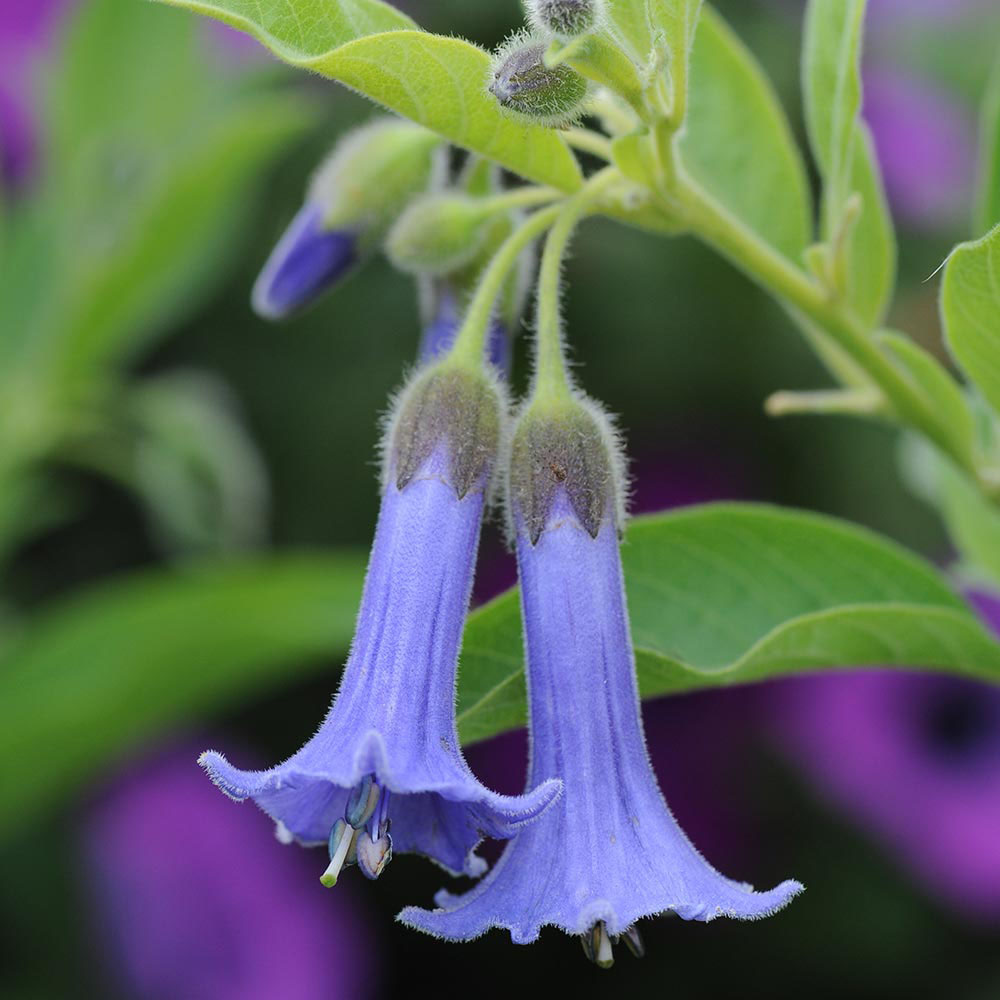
[
  {"x": 987, "y": 213},
  {"x": 296, "y": 29},
  {"x": 675, "y": 21},
  {"x": 845, "y": 156},
  {"x": 631, "y": 23},
  {"x": 98, "y": 673},
  {"x": 435, "y": 81},
  {"x": 832, "y": 82},
  {"x": 737, "y": 144},
  {"x": 970, "y": 311},
  {"x": 973, "y": 521},
  {"x": 729, "y": 593},
  {"x": 941, "y": 390}
]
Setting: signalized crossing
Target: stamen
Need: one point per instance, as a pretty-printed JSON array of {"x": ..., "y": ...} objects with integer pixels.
[
  {"x": 373, "y": 855},
  {"x": 380, "y": 821},
  {"x": 633, "y": 941},
  {"x": 362, "y": 801},
  {"x": 597, "y": 945},
  {"x": 342, "y": 837}
]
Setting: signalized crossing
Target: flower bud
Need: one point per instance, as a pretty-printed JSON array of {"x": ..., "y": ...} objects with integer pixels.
[
  {"x": 565, "y": 19},
  {"x": 451, "y": 410},
  {"x": 565, "y": 460},
  {"x": 352, "y": 200},
  {"x": 526, "y": 88},
  {"x": 438, "y": 234}
]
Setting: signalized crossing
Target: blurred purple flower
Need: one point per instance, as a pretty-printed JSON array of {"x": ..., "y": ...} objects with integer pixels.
[
  {"x": 916, "y": 759},
  {"x": 176, "y": 923},
  {"x": 27, "y": 28},
  {"x": 926, "y": 145}
]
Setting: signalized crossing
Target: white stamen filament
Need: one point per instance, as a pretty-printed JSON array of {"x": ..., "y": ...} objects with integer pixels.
[
  {"x": 329, "y": 877},
  {"x": 605, "y": 956}
]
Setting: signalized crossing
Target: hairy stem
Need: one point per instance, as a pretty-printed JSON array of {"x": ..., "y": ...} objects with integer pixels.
[
  {"x": 470, "y": 341},
  {"x": 811, "y": 304},
  {"x": 551, "y": 377}
]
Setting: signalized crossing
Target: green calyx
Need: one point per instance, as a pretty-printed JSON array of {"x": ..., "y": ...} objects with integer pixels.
[
  {"x": 454, "y": 407},
  {"x": 526, "y": 88},
  {"x": 564, "y": 18},
  {"x": 371, "y": 175},
  {"x": 565, "y": 446},
  {"x": 439, "y": 233}
]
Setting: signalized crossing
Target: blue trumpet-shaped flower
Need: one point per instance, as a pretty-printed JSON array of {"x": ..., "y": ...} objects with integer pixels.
[
  {"x": 609, "y": 851},
  {"x": 387, "y": 756}
]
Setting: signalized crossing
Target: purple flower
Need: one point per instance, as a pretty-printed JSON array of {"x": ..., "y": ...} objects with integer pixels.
[
  {"x": 175, "y": 923},
  {"x": 916, "y": 759},
  {"x": 307, "y": 260},
  {"x": 439, "y": 334},
  {"x": 926, "y": 145},
  {"x": 609, "y": 851},
  {"x": 388, "y": 749},
  {"x": 26, "y": 31},
  {"x": 352, "y": 200}
]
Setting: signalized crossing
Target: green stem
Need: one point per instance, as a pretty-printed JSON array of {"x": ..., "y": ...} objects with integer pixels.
[
  {"x": 810, "y": 302},
  {"x": 521, "y": 197},
  {"x": 470, "y": 341},
  {"x": 588, "y": 141},
  {"x": 551, "y": 378}
]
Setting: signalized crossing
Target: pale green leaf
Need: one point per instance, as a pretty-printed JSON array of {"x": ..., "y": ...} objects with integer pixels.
[
  {"x": 973, "y": 521},
  {"x": 436, "y": 81},
  {"x": 845, "y": 156},
  {"x": 737, "y": 144},
  {"x": 294, "y": 30},
  {"x": 831, "y": 77},
  {"x": 987, "y": 212},
  {"x": 631, "y": 22},
  {"x": 732, "y": 593},
  {"x": 871, "y": 249},
  {"x": 970, "y": 310},
  {"x": 942, "y": 392},
  {"x": 441, "y": 83},
  {"x": 96, "y": 675}
]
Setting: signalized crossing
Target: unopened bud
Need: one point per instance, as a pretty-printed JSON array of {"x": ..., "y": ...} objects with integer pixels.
[
  {"x": 526, "y": 88},
  {"x": 566, "y": 19},
  {"x": 564, "y": 450},
  {"x": 352, "y": 200},
  {"x": 453, "y": 408},
  {"x": 439, "y": 233}
]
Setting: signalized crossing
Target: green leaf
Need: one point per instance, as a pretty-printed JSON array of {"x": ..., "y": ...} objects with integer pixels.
[
  {"x": 100, "y": 673},
  {"x": 987, "y": 210},
  {"x": 973, "y": 521},
  {"x": 871, "y": 243},
  {"x": 970, "y": 311},
  {"x": 631, "y": 24},
  {"x": 435, "y": 81},
  {"x": 844, "y": 154},
  {"x": 737, "y": 144},
  {"x": 732, "y": 593},
  {"x": 296, "y": 29},
  {"x": 152, "y": 156},
  {"x": 832, "y": 82},
  {"x": 942, "y": 392}
]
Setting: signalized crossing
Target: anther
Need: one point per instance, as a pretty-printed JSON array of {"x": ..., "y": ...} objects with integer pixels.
[{"x": 597, "y": 945}]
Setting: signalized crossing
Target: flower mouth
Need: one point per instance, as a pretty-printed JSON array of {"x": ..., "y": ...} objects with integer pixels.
[{"x": 362, "y": 836}]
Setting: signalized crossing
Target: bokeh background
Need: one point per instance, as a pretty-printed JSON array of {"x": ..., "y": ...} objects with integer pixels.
[{"x": 149, "y": 419}]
